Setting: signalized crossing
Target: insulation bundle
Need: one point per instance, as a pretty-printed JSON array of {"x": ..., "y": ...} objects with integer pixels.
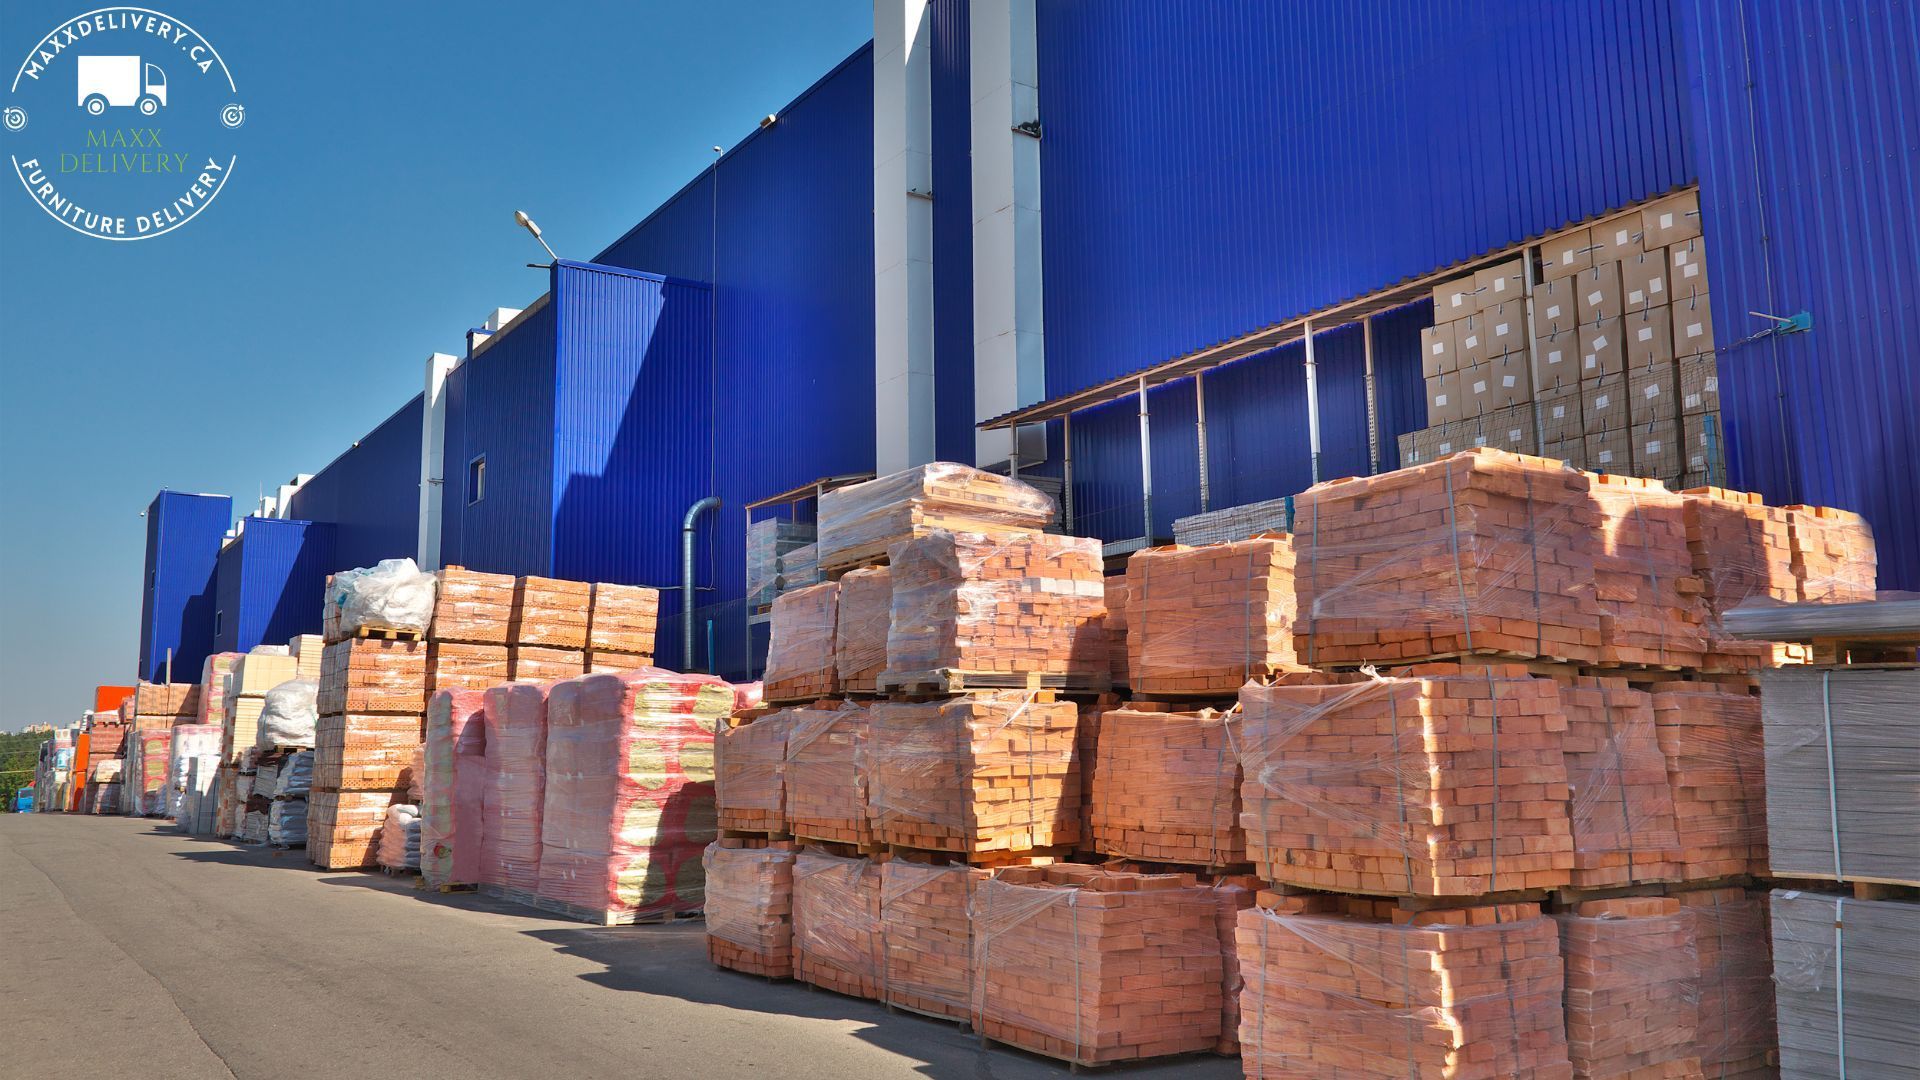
[
  {"x": 1345, "y": 987},
  {"x": 190, "y": 741},
  {"x": 985, "y": 772},
  {"x": 800, "y": 661},
  {"x": 836, "y": 923},
  {"x": 1716, "y": 770},
  {"x": 514, "y": 720},
  {"x": 1622, "y": 808},
  {"x": 1167, "y": 788},
  {"x": 1834, "y": 558},
  {"x": 1651, "y": 606},
  {"x": 1482, "y": 551},
  {"x": 629, "y": 792},
  {"x": 550, "y": 612},
  {"x": 1846, "y": 974},
  {"x": 1734, "y": 1038},
  {"x": 860, "y": 523},
  {"x": 864, "y": 608},
  {"x": 828, "y": 773},
  {"x": 1092, "y": 966},
  {"x": 749, "y": 912},
  {"x": 998, "y": 604},
  {"x": 287, "y": 822},
  {"x": 214, "y": 675},
  {"x": 1441, "y": 781},
  {"x": 926, "y": 932},
  {"x": 1207, "y": 619},
  {"x": 623, "y": 619},
  {"x": 472, "y": 607},
  {"x": 750, "y": 773},
  {"x": 1633, "y": 994},
  {"x": 400, "y": 838},
  {"x": 449, "y": 807}
]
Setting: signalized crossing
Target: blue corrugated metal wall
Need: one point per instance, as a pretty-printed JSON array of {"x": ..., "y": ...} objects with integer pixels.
[
  {"x": 271, "y": 582},
  {"x": 500, "y": 407},
  {"x": 178, "y": 591},
  {"x": 371, "y": 493},
  {"x": 1808, "y": 136},
  {"x": 952, "y": 110}
]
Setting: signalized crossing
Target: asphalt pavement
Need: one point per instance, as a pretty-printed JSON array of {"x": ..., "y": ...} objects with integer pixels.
[{"x": 130, "y": 950}]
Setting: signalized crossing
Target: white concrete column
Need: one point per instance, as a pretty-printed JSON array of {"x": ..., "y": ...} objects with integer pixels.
[
  {"x": 903, "y": 384},
  {"x": 1009, "y": 332},
  {"x": 433, "y": 457}
]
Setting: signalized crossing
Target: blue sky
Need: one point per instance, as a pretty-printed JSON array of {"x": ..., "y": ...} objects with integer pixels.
[{"x": 367, "y": 224}]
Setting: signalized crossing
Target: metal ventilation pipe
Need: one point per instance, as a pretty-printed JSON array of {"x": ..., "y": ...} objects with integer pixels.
[{"x": 711, "y": 502}]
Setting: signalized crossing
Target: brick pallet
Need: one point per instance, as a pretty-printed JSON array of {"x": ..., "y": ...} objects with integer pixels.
[
  {"x": 864, "y": 607},
  {"x": 836, "y": 923},
  {"x": 365, "y": 752},
  {"x": 543, "y": 663},
  {"x": 1336, "y": 986},
  {"x": 750, "y": 906},
  {"x": 1622, "y": 808},
  {"x": 1735, "y": 1038},
  {"x": 1205, "y": 620},
  {"x": 861, "y": 522},
  {"x": 550, "y": 612},
  {"x": 1716, "y": 769},
  {"x": 991, "y": 772},
  {"x": 827, "y": 772},
  {"x": 1632, "y": 993},
  {"x": 1651, "y": 610},
  {"x": 800, "y": 657},
  {"x": 370, "y": 675},
  {"x": 750, "y": 772},
  {"x": 514, "y": 719},
  {"x": 453, "y": 665},
  {"x": 1834, "y": 559},
  {"x": 623, "y": 619},
  {"x": 1440, "y": 782},
  {"x": 1115, "y": 626},
  {"x": 926, "y": 932},
  {"x": 1480, "y": 552},
  {"x": 1167, "y": 788},
  {"x": 1091, "y": 966},
  {"x": 1232, "y": 894},
  {"x": 1741, "y": 549},
  {"x": 1086, "y": 752},
  {"x": 472, "y": 608},
  {"x": 343, "y": 827},
  {"x": 613, "y": 663}
]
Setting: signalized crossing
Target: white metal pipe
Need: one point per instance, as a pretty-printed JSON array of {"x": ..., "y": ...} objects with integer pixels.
[
  {"x": 711, "y": 502},
  {"x": 1313, "y": 403},
  {"x": 1200, "y": 432},
  {"x": 1373, "y": 400},
  {"x": 1146, "y": 465}
]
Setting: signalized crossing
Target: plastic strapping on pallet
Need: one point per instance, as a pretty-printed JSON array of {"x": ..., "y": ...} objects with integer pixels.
[
  {"x": 1833, "y": 791},
  {"x": 1453, "y": 536},
  {"x": 1840, "y": 985}
]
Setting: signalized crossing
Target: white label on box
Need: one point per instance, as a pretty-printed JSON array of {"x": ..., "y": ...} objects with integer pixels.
[
  {"x": 1646, "y": 333},
  {"x": 1479, "y": 440},
  {"x": 1606, "y": 457},
  {"x": 1652, "y": 391},
  {"x": 1621, "y": 238},
  {"x": 1653, "y": 447},
  {"x": 1553, "y": 356},
  {"x": 1636, "y": 297},
  {"x": 1459, "y": 300},
  {"x": 1692, "y": 400},
  {"x": 1480, "y": 386},
  {"x": 1500, "y": 329},
  {"x": 1600, "y": 342},
  {"x": 1513, "y": 435},
  {"x": 1472, "y": 341},
  {"x": 1440, "y": 401},
  {"x": 1591, "y": 361},
  {"x": 1446, "y": 448},
  {"x": 1691, "y": 270},
  {"x": 1601, "y": 402},
  {"x": 1439, "y": 348},
  {"x": 1595, "y": 297},
  {"x": 1698, "y": 461},
  {"x": 1566, "y": 256},
  {"x": 1559, "y": 412},
  {"x": 1666, "y": 220},
  {"x": 1694, "y": 330},
  {"x": 1654, "y": 286},
  {"x": 1507, "y": 382},
  {"x": 1553, "y": 311},
  {"x": 1713, "y": 384}
]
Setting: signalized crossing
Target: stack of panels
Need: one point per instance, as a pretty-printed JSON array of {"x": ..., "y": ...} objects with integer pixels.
[
  {"x": 860, "y": 523},
  {"x": 1234, "y": 523},
  {"x": 307, "y": 650},
  {"x": 750, "y": 906},
  {"x": 1207, "y": 619},
  {"x": 1847, "y": 977},
  {"x": 1167, "y": 788}
]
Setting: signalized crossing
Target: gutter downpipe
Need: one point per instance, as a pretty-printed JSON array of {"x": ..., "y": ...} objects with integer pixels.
[{"x": 711, "y": 502}]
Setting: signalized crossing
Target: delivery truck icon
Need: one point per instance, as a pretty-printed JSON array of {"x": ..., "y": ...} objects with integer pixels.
[{"x": 119, "y": 81}]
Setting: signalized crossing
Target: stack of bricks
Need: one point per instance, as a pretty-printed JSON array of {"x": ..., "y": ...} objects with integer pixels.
[
  {"x": 1834, "y": 559},
  {"x": 1622, "y": 809},
  {"x": 800, "y": 644},
  {"x": 1735, "y": 1036},
  {"x": 749, "y": 912},
  {"x": 926, "y": 932},
  {"x": 836, "y": 923},
  {"x": 372, "y": 706},
  {"x": 1338, "y": 986},
  {"x": 1167, "y": 788},
  {"x": 1118, "y": 597},
  {"x": 1232, "y": 894},
  {"x": 1741, "y": 550},
  {"x": 750, "y": 772},
  {"x": 215, "y": 684},
  {"x": 1003, "y": 606},
  {"x": 1092, "y": 966},
  {"x": 1439, "y": 782},
  {"x": 548, "y": 629},
  {"x": 622, "y": 622},
  {"x": 160, "y": 705},
  {"x": 827, "y": 772},
  {"x": 343, "y": 827},
  {"x": 513, "y": 797},
  {"x": 859, "y": 524},
  {"x": 1480, "y": 552},
  {"x": 1205, "y": 620},
  {"x": 467, "y": 646},
  {"x": 864, "y": 609},
  {"x": 1632, "y": 996},
  {"x": 989, "y": 773},
  {"x": 1651, "y": 608},
  {"x": 1086, "y": 752},
  {"x": 1716, "y": 769}
]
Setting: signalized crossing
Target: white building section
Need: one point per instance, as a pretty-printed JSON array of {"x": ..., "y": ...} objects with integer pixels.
[
  {"x": 433, "y": 457},
  {"x": 903, "y": 382}
]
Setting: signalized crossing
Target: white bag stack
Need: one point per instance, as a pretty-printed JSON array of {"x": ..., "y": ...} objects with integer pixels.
[
  {"x": 400, "y": 838},
  {"x": 393, "y": 594},
  {"x": 289, "y": 715}
]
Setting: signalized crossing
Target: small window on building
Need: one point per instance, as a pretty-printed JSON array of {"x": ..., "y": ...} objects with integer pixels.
[
  {"x": 476, "y": 479},
  {"x": 219, "y": 618}
]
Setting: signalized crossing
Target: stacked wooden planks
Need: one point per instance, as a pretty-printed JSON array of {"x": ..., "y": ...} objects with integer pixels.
[
  {"x": 1716, "y": 770},
  {"x": 1483, "y": 551},
  {"x": 926, "y": 931},
  {"x": 836, "y": 923},
  {"x": 750, "y": 772},
  {"x": 800, "y": 656},
  {"x": 1622, "y": 808},
  {"x": 1436, "y": 782},
  {"x": 1847, "y": 982},
  {"x": 1632, "y": 995},
  {"x": 827, "y": 773},
  {"x": 1651, "y": 607},
  {"x": 1734, "y": 1038},
  {"x": 860, "y": 523},
  {"x": 750, "y": 905},
  {"x": 1205, "y": 620},
  {"x": 1093, "y": 966},
  {"x": 1167, "y": 788},
  {"x": 864, "y": 608}
]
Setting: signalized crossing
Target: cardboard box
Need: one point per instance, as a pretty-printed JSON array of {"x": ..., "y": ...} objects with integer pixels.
[
  {"x": 1687, "y": 268},
  {"x": 1506, "y": 328},
  {"x": 1512, "y": 380},
  {"x": 1565, "y": 255},
  {"x": 1602, "y": 350},
  {"x": 1609, "y": 452},
  {"x": 1643, "y": 279},
  {"x": 1652, "y": 393},
  {"x": 1699, "y": 385},
  {"x": 1603, "y": 404},
  {"x": 1439, "y": 352},
  {"x": 1692, "y": 320},
  {"x": 1556, "y": 359},
  {"x": 1470, "y": 340},
  {"x": 1454, "y": 300},
  {"x": 1443, "y": 398},
  {"x": 1649, "y": 337},
  {"x": 1501, "y": 284},
  {"x": 1509, "y": 428},
  {"x": 1476, "y": 390},
  {"x": 1656, "y": 450},
  {"x": 1554, "y": 309},
  {"x": 1703, "y": 444},
  {"x": 1672, "y": 219},
  {"x": 1618, "y": 239},
  {"x": 1596, "y": 291},
  {"x": 1561, "y": 418}
]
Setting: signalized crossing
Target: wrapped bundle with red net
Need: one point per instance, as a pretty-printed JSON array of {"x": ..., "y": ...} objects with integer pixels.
[
  {"x": 443, "y": 811},
  {"x": 515, "y": 724}
]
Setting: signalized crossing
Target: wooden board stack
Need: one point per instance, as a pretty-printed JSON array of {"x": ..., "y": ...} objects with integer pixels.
[
  {"x": 1716, "y": 770},
  {"x": 1437, "y": 782},
  {"x": 978, "y": 774},
  {"x": 1651, "y": 610},
  {"x": 1337, "y": 986},
  {"x": 1092, "y": 966},
  {"x": 750, "y": 772},
  {"x": 1735, "y": 1037},
  {"x": 372, "y": 702},
  {"x": 1167, "y": 789},
  {"x": 926, "y": 932},
  {"x": 1632, "y": 996},
  {"x": 859, "y": 523},
  {"x": 1834, "y": 559},
  {"x": 1481, "y": 552},
  {"x": 1847, "y": 980},
  {"x": 514, "y": 719},
  {"x": 750, "y": 905},
  {"x": 973, "y": 610},
  {"x": 864, "y": 607},
  {"x": 800, "y": 658},
  {"x": 836, "y": 923},
  {"x": 1205, "y": 620},
  {"x": 827, "y": 772},
  {"x": 622, "y": 623},
  {"x": 1741, "y": 550},
  {"x": 1622, "y": 808}
]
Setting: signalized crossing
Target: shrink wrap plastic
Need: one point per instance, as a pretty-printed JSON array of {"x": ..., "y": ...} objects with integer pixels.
[
  {"x": 296, "y": 776},
  {"x": 190, "y": 741},
  {"x": 515, "y": 725},
  {"x": 392, "y": 594},
  {"x": 1735, "y": 1036},
  {"x": 1209, "y": 618},
  {"x": 1834, "y": 558},
  {"x": 864, "y": 608},
  {"x": 1651, "y": 605},
  {"x": 145, "y": 784},
  {"x": 551, "y": 612},
  {"x": 472, "y": 607},
  {"x": 369, "y": 675},
  {"x": 985, "y": 772},
  {"x": 450, "y": 788},
  {"x": 836, "y": 923},
  {"x": 1115, "y": 628},
  {"x": 1622, "y": 807},
  {"x": 768, "y": 540},
  {"x": 750, "y": 906},
  {"x": 1742, "y": 550},
  {"x": 1167, "y": 788},
  {"x": 860, "y": 522},
  {"x": 1633, "y": 994},
  {"x": 1847, "y": 975},
  {"x": 1232, "y": 894},
  {"x": 214, "y": 688},
  {"x": 623, "y": 619},
  {"x": 800, "y": 662},
  {"x": 750, "y": 773},
  {"x": 827, "y": 773},
  {"x": 1716, "y": 770},
  {"x": 629, "y": 791},
  {"x": 926, "y": 933},
  {"x": 400, "y": 837},
  {"x": 288, "y": 717},
  {"x": 1435, "y": 782}
]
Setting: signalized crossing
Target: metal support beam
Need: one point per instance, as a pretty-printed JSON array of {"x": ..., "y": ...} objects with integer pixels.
[
  {"x": 1200, "y": 432},
  {"x": 1313, "y": 402},
  {"x": 1066, "y": 484},
  {"x": 1146, "y": 467},
  {"x": 1373, "y": 400},
  {"x": 1533, "y": 353}
]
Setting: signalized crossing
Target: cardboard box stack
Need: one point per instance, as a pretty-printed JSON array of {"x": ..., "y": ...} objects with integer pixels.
[
  {"x": 750, "y": 905},
  {"x": 1204, "y": 620},
  {"x": 467, "y": 642},
  {"x": 1167, "y": 788},
  {"x": 548, "y": 628},
  {"x": 372, "y": 702}
]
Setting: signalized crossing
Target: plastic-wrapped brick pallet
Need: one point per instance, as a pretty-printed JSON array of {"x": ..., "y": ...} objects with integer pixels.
[
  {"x": 1633, "y": 994},
  {"x": 1622, "y": 807},
  {"x": 926, "y": 933},
  {"x": 1716, "y": 769},
  {"x": 859, "y": 523},
  {"x": 1207, "y": 619},
  {"x": 449, "y": 810},
  {"x": 836, "y": 923},
  {"x": 1651, "y": 606},
  {"x": 515, "y": 722},
  {"x": 629, "y": 793},
  {"x": 864, "y": 607},
  {"x": 749, "y": 886},
  {"x": 800, "y": 660},
  {"x": 750, "y": 773},
  {"x": 827, "y": 775},
  {"x": 1847, "y": 976},
  {"x": 1167, "y": 788},
  {"x": 1735, "y": 1037}
]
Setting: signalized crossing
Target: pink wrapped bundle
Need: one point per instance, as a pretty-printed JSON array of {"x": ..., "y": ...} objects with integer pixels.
[
  {"x": 629, "y": 799},
  {"x": 515, "y": 723},
  {"x": 155, "y": 749},
  {"x": 443, "y": 782}
]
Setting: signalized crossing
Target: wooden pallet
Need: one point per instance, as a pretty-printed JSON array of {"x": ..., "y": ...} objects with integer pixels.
[
  {"x": 381, "y": 633},
  {"x": 943, "y": 682},
  {"x": 611, "y": 917},
  {"x": 755, "y": 834}
]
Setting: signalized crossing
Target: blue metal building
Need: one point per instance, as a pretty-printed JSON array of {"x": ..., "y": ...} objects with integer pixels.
[
  {"x": 271, "y": 582},
  {"x": 177, "y": 589},
  {"x": 370, "y": 493}
]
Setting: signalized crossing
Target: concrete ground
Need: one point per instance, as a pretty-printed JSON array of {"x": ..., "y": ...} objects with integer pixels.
[{"x": 127, "y": 949}]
